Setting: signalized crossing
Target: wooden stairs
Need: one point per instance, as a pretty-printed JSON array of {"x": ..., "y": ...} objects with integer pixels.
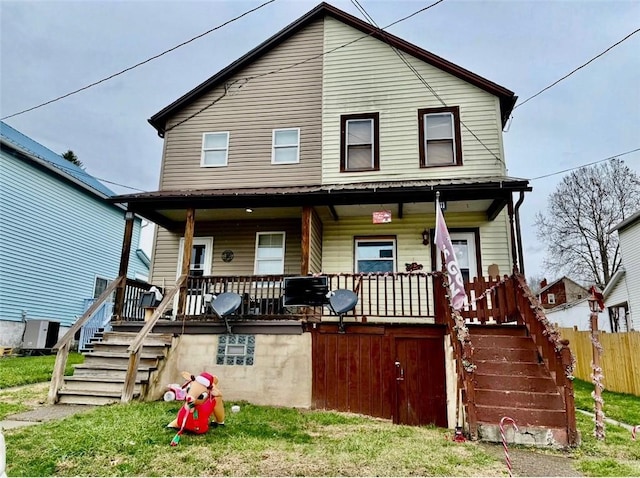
[
  {"x": 100, "y": 379},
  {"x": 511, "y": 380}
]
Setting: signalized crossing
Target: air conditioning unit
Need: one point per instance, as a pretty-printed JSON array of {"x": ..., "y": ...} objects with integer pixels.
[{"x": 40, "y": 334}]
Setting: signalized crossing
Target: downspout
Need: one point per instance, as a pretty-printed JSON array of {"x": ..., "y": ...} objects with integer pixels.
[{"x": 518, "y": 233}]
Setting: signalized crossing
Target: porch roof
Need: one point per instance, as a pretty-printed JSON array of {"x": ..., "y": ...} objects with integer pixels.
[{"x": 498, "y": 189}]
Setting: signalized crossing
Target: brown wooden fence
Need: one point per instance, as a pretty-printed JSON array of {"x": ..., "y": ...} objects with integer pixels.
[{"x": 620, "y": 359}]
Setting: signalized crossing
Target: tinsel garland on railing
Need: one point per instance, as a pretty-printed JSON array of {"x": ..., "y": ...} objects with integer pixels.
[{"x": 598, "y": 418}]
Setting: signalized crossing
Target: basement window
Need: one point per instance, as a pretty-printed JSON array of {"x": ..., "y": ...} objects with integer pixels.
[{"x": 236, "y": 350}]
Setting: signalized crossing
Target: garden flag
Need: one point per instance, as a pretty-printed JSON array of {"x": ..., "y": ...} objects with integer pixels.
[{"x": 443, "y": 242}]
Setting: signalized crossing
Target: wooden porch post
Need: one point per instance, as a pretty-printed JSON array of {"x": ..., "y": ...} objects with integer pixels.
[
  {"x": 118, "y": 306},
  {"x": 307, "y": 216},
  {"x": 189, "y": 227},
  {"x": 514, "y": 249}
]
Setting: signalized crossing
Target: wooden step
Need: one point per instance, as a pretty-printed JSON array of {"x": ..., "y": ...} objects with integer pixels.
[
  {"x": 97, "y": 384},
  {"x": 537, "y": 400},
  {"x": 529, "y": 417},
  {"x": 80, "y": 397},
  {"x": 503, "y": 354},
  {"x": 509, "y": 330},
  {"x": 500, "y": 341},
  {"x": 518, "y": 369},
  {"x": 515, "y": 383},
  {"x": 129, "y": 337},
  {"x": 158, "y": 350}
]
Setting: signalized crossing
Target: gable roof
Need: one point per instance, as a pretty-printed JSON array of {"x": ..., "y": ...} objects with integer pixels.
[
  {"x": 563, "y": 278},
  {"x": 507, "y": 97},
  {"x": 55, "y": 163},
  {"x": 626, "y": 223}
]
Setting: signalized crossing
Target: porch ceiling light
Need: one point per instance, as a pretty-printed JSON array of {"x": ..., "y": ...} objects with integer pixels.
[
  {"x": 249, "y": 210},
  {"x": 425, "y": 237}
]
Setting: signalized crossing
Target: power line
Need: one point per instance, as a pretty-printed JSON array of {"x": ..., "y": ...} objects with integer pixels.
[
  {"x": 587, "y": 164},
  {"x": 80, "y": 171},
  {"x": 575, "y": 70},
  {"x": 138, "y": 64},
  {"x": 417, "y": 73}
]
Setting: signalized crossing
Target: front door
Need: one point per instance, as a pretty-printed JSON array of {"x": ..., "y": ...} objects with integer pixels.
[
  {"x": 201, "y": 259},
  {"x": 465, "y": 247},
  {"x": 421, "y": 396}
]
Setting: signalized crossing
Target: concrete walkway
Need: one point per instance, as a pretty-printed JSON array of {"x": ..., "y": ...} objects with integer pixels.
[
  {"x": 42, "y": 414},
  {"x": 608, "y": 420}
]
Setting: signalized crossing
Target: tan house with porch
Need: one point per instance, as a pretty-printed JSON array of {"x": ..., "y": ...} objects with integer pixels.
[{"x": 319, "y": 154}]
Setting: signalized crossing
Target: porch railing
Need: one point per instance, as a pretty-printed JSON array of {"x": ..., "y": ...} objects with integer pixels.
[
  {"x": 131, "y": 310},
  {"x": 100, "y": 321},
  {"x": 379, "y": 295}
]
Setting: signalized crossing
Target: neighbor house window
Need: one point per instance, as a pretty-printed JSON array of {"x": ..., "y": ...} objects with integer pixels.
[
  {"x": 439, "y": 134},
  {"x": 359, "y": 142},
  {"x": 375, "y": 255},
  {"x": 269, "y": 253},
  {"x": 551, "y": 298},
  {"x": 286, "y": 146},
  {"x": 215, "y": 149},
  {"x": 100, "y": 286}
]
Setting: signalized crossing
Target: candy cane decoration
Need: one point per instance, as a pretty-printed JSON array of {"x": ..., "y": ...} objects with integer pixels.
[
  {"x": 504, "y": 440},
  {"x": 633, "y": 432}
]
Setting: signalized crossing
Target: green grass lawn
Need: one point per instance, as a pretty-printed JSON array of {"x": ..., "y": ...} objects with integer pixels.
[{"x": 16, "y": 371}]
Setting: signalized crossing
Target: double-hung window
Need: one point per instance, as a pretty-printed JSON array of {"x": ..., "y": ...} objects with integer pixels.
[
  {"x": 439, "y": 133},
  {"x": 269, "y": 253},
  {"x": 215, "y": 149},
  {"x": 286, "y": 146},
  {"x": 359, "y": 142},
  {"x": 375, "y": 255}
]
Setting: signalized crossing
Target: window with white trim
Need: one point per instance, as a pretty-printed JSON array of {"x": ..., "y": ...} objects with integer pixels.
[
  {"x": 285, "y": 146},
  {"x": 375, "y": 255},
  {"x": 269, "y": 253},
  {"x": 100, "y": 286},
  {"x": 439, "y": 133},
  {"x": 215, "y": 149},
  {"x": 551, "y": 298}
]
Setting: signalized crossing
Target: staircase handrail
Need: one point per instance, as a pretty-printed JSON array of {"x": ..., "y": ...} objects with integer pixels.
[
  {"x": 554, "y": 350},
  {"x": 463, "y": 352},
  {"x": 63, "y": 345},
  {"x": 136, "y": 345}
]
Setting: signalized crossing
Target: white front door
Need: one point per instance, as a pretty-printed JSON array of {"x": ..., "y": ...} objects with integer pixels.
[
  {"x": 464, "y": 245},
  {"x": 201, "y": 259}
]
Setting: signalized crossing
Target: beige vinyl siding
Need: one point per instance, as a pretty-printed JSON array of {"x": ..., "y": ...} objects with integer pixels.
[
  {"x": 250, "y": 111},
  {"x": 368, "y": 77},
  {"x": 338, "y": 242},
  {"x": 315, "y": 264},
  {"x": 239, "y": 237}
]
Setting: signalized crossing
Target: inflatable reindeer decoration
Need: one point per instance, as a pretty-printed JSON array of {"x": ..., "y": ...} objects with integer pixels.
[{"x": 202, "y": 398}]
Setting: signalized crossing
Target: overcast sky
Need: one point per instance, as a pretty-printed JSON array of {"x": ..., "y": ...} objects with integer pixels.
[{"x": 50, "y": 48}]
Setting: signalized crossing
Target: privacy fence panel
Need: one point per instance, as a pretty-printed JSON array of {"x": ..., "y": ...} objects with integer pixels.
[{"x": 620, "y": 360}]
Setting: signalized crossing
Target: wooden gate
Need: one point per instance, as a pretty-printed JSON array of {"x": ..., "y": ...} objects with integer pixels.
[{"x": 356, "y": 372}]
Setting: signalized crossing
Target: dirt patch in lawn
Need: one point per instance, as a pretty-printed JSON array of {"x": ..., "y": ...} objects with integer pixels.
[{"x": 533, "y": 462}]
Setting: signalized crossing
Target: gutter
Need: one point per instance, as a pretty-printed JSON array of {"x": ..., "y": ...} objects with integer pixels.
[{"x": 518, "y": 232}]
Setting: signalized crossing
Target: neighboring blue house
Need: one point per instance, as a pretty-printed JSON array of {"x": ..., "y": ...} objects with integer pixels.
[{"x": 60, "y": 238}]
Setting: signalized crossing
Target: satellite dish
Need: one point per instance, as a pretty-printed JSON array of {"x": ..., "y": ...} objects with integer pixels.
[
  {"x": 226, "y": 304},
  {"x": 342, "y": 301}
]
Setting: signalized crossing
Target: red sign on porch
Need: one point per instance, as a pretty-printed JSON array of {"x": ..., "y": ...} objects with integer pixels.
[{"x": 381, "y": 217}]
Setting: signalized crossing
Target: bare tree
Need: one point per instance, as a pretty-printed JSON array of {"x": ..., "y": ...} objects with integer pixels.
[
  {"x": 575, "y": 227},
  {"x": 534, "y": 281}
]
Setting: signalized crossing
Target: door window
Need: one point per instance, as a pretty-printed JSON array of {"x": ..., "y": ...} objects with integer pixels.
[
  {"x": 200, "y": 256},
  {"x": 464, "y": 245}
]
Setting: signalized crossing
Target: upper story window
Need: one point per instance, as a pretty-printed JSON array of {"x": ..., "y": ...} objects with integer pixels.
[
  {"x": 551, "y": 298},
  {"x": 286, "y": 146},
  {"x": 359, "y": 142},
  {"x": 439, "y": 133},
  {"x": 375, "y": 254},
  {"x": 269, "y": 253},
  {"x": 215, "y": 149}
]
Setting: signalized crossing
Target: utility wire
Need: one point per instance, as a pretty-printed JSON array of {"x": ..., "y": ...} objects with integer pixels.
[
  {"x": 138, "y": 64},
  {"x": 417, "y": 73},
  {"x": 73, "y": 171},
  {"x": 585, "y": 165},
  {"x": 575, "y": 70}
]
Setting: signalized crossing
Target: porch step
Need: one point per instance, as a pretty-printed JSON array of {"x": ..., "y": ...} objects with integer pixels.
[
  {"x": 100, "y": 379},
  {"x": 512, "y": 381}
]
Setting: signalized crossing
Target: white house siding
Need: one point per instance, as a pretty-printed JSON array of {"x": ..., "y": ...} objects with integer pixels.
[
  {"x": 55, "y": 240},
  {"x": 249, "y": 112},
  {"x": 577, "y": 315},
  {"x": 630, "y": 283},
  {"x": 367, "y": 77},
  {"x": 239, "y": 237}
]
